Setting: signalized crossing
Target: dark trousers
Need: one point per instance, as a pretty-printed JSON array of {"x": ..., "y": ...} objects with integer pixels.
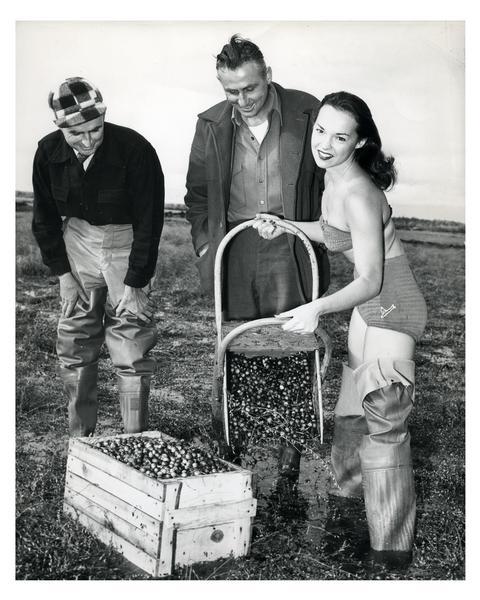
[{"x": 260, "y": 277}]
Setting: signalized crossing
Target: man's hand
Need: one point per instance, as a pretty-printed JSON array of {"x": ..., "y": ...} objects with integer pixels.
[
  {"x": 136, "y": 302},
  {"x": 70, "y": 292}
]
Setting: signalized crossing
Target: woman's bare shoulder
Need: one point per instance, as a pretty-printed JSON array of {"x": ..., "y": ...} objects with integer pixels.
[
  {"x": 363, "y": 192},
  {"x": 364, "y": 203}
]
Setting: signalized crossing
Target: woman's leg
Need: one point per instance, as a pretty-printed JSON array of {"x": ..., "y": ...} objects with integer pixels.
[
  {"x": 357, "y": 332},
  {"x": 386, "y": 343}
]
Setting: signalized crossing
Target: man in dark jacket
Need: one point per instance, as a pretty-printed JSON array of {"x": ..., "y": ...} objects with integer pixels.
[
  {"x": 97, "y": 218},
  {"x": 251, "y": 154}
]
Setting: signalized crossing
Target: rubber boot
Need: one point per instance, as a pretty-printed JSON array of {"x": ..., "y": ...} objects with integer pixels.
[
  {"x": 385, "y": 456},
  {"x": 133, "y": 392},
  {"x": 349, "y": 428},
  {"x": 80, "y": 385},
  {"x": 389, "y": 493},
  {"x": 345, "y": 458},
  {"x": 289, "y": 461}
]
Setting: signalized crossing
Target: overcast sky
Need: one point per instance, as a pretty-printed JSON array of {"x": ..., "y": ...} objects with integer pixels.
[{"x": 156, "y": 76}]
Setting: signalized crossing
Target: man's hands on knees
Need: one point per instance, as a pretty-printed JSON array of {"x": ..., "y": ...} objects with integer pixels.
[
  {"x": 70, "y": 292},
  {"x": 136, "y": 302}
]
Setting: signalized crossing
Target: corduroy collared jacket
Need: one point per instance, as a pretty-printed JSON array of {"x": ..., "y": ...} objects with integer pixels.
[
  {"x": 209, "y": 178},
  {"x": 123, "y": 184}
]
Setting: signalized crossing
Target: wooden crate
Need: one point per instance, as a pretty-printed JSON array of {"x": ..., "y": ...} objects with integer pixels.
[{"x": 158, "y": 524}]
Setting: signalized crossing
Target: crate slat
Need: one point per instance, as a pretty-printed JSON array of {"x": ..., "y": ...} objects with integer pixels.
[
  {"x": 138, "y": 499},
  {"x": 106, "y": 500},
  {"x": 200, "y": 516},
  {"x": 148, "y": 542},
  {"x": 196, "y": 544},
  {"x": 167, "y": 549},
  {"x": 218, "y": 487},
  {"x": 130, "y": 551},
  {"x": 244, "y": 535}
]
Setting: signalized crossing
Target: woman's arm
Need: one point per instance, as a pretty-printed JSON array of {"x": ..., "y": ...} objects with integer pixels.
[{"x": 364, "y": 217}]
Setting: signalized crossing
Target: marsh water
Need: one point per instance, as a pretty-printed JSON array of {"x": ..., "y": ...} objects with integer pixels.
[{"x": 308, "y": 514}]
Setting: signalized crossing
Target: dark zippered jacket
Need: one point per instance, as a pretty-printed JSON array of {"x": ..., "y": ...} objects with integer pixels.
[
  {"x": 209, "y": 178},
  {"x": 123, "y": 184}
]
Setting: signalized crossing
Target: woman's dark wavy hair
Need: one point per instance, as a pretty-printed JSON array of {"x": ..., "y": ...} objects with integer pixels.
[{"x": 370, "y": 156}]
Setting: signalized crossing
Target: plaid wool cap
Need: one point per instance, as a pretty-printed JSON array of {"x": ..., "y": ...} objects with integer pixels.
[{"x": 77, "y": 101}]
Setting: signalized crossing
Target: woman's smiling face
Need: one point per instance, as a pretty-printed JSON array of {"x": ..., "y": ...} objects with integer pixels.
[{"x": 334, "y": 137}]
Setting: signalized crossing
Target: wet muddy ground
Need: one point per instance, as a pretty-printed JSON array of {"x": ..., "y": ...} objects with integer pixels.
[{"x": 300, "y": 532}]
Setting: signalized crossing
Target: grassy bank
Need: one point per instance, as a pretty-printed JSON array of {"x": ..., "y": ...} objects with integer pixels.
[{"x": 304, "y": 538}]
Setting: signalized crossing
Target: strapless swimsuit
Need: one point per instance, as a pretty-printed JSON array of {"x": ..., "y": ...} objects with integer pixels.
[{"x": 400, "y": 305}]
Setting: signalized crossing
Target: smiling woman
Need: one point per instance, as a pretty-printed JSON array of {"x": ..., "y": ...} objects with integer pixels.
[
  {"x": 340, "y": 138},
  {"x": 371, "y": 448},
  {"x": 333, "y": 146}
]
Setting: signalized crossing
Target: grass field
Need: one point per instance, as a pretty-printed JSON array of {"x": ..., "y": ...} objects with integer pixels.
[{"x": 305, "y": 537}]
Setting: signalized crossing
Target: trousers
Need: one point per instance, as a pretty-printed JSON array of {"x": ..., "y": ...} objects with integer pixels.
[
  {"x": 261, "y": 277},
  {"x": 98, "y": 258}
]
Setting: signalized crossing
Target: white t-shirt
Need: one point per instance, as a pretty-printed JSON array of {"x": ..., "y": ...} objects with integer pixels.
[{"x": 259, "y": 131}]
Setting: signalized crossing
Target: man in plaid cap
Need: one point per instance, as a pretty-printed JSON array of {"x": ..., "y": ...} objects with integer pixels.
[{"x": 98, "y": 217}]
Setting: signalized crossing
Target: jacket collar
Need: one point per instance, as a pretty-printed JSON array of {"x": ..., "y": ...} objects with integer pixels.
[
  {"x": 219, "y": 113},
  {"x": 109, "y": 150},
  {"x": 62, "y": 151}
]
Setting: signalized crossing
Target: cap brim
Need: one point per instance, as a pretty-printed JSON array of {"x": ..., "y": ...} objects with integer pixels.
[{"x": 82, "y": 116}]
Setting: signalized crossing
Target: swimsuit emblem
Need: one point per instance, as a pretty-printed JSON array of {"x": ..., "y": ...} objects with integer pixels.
[{"x": 384, "y": 312}]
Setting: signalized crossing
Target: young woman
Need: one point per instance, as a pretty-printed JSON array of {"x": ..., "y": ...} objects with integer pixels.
[{"x": 371, "y": 447}]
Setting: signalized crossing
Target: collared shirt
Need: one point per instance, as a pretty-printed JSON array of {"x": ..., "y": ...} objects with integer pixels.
[
  {"x": 87, "y": 161},
  {"x": 256, "y": 184}
]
